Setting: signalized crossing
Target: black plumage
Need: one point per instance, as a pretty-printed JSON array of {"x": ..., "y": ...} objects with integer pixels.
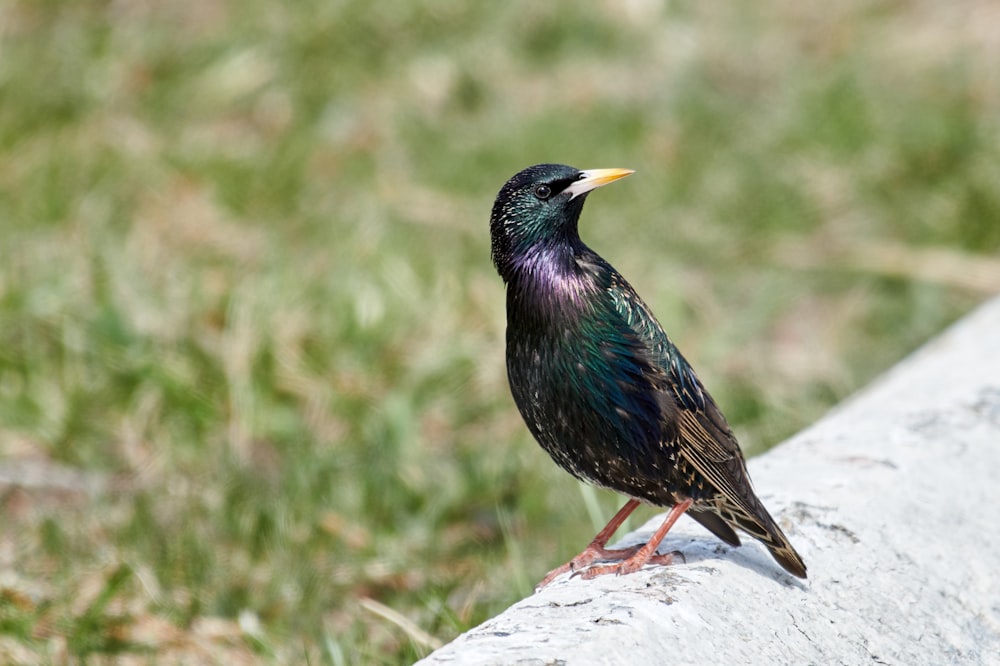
[{"x": 601, "y": 386}]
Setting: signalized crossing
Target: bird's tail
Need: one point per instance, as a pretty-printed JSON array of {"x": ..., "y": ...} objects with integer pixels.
[{"x": 761, "y": 526}]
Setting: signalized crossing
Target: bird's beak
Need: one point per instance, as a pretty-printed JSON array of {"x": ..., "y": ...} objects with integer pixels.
[{"x": 594, "y": 178}]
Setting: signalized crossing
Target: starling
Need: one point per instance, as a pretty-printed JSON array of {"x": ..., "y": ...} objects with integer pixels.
[{"x": 601, "y": 386}]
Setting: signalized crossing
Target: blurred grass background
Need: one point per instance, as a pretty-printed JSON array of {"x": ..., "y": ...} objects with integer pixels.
[{"x": 252, "y": 396}]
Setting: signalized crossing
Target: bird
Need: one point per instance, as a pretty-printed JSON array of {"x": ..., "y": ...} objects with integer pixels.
[{"x": 601, "y": 386}]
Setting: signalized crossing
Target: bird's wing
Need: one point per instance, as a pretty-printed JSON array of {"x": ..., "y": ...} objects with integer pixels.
[{"x": 705, "y": 439}]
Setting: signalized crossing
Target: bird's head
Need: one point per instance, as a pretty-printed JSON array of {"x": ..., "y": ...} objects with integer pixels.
[{"x": 540, "y": 207}]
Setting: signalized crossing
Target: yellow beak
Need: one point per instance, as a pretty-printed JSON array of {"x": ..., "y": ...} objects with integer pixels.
[{"x": 593, "y": 178}]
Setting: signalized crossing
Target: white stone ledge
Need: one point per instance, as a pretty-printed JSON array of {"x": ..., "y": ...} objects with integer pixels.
[{"x": 893, "y": 499}]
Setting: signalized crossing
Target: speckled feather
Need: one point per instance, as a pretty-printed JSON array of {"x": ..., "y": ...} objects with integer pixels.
[{"x": 598, "y": 382}]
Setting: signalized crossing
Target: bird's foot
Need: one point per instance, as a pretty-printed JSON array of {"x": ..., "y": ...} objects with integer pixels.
[
  {"x": 634, "y": 558},
  {"x": 632, "y": 564},
  {"x": 590, "y": 554}
]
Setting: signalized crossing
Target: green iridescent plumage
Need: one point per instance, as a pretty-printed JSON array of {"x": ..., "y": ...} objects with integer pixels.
[{"x": 598, "y": 382}]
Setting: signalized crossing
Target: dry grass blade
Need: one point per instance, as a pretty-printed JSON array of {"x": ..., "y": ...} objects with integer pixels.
[
  {"x": 941, "y": 265},
  {"x": 416, "y": 634}
]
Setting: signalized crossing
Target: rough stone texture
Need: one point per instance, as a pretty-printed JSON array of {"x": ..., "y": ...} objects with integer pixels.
[{"x": 892, "y": 499}]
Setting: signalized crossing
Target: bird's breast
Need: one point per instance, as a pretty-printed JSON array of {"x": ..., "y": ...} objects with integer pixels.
[{"x": 585, "y": 394}]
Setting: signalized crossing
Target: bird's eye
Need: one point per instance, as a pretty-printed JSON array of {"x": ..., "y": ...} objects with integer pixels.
[{"x": 543, "y": 191}]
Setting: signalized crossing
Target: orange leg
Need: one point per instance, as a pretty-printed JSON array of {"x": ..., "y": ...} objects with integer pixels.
[
  {"x": 644, "y": 555},
  {"x": 596, "y": 550}
]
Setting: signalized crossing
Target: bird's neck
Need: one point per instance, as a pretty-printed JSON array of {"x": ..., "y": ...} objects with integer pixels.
[
  {"x": 544, "y": 264},
  {"x": 549, "y": 280}
]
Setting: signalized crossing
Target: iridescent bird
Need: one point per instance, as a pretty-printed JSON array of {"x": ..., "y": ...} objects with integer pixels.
[{"x": 601, "y": 386}]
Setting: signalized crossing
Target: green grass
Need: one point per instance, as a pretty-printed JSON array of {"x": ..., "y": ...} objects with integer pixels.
[{"x": 252, "y": 396}]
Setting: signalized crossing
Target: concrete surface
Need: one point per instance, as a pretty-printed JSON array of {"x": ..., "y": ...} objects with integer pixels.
[{"x": 892, "y": 499}]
